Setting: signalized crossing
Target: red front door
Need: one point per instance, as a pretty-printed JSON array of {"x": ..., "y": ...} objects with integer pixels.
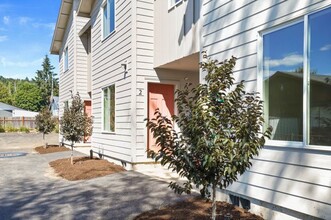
[
  {"x": 160, "y": 96},
  {"x": 88, "y": 111}
]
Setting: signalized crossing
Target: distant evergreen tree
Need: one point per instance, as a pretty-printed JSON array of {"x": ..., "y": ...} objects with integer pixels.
[{"x": 46, "y": 81}]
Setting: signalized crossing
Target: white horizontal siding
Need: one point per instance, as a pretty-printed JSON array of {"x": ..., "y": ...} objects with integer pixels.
[
  {"x": 81, "y": 61},
  {"x": 107, "y": 56},
  {"x": 66, "y": 79},
  {"x": 295, "y": 179}
]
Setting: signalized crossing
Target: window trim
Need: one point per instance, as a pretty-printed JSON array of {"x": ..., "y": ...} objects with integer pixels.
[
  {"x": 104, "y": 36},
  {"x": 103, "y": 131},
  {"x": 173, "y": 5},
  {"x": 65, "y": 59},
  {"x": 304, "y": 144}
]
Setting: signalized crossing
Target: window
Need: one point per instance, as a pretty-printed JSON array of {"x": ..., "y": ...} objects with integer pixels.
[
  {"x": 66, "y": 104},
  {"x": 66, "y": 60},
  {"x": 173, "y": 2},
  {"x": 297, "y": 80},
  {"x": 109, "y": 108},
  {"x": 108, "y": 17}
]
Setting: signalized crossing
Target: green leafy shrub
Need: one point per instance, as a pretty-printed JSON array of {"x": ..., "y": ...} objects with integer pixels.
[
  {"x": 11, "y": 129},
  {"x": 220, "y": 132},
  {"x": 2, "y": 130},
  {"x": 57, "y": 127},
  {"x": 24, "y": 129}
]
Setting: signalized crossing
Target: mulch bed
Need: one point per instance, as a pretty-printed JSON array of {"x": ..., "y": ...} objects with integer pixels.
[
  {"x": 84, "y": 168},
  {"x": 50, "y": 149},
  {"x": 197, "y": 209}
]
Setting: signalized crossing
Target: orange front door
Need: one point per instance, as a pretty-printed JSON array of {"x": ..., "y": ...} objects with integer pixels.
[
  {"x": 160, "y": 96},
  {"x": 88, "y": 111}
]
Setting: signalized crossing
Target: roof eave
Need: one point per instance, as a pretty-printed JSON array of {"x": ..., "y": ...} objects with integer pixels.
[
  {"x": 85, "y": 8},
  {"x": 61, "y": 24}
]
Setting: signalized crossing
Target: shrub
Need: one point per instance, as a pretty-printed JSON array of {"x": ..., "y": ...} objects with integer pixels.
[
  {"x": 2, "y": 130},
  {"x": 57, "y": 127},
  {"x": 24, "y": 129},
  {"x": 220, "y": 133},
  {"x": 11, "y": 129}
]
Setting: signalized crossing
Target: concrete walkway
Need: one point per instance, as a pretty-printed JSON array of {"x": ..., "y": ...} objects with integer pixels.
[{"x": 29, "y": 190}]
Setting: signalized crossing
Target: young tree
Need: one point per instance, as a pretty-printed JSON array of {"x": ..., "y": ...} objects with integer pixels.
[
  {"x": 220, "y": 131},
  {"x": 74, "y": 123},
  {"x": 46, "y": 81},
  {"x": 45, "y": 123}
]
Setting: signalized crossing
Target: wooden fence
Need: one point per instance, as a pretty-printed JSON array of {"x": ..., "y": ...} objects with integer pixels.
[{"x": 17, "y": 122}]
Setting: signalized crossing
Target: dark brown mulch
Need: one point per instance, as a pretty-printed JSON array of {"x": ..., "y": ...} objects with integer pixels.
[
  {"x": 50, "y": 149},
  {"x": 84, "y": 168},
  {"x": 198, "y": 209}
]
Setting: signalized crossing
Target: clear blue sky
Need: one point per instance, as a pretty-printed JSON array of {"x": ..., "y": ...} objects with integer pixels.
[{"x": 26, "y": 30}]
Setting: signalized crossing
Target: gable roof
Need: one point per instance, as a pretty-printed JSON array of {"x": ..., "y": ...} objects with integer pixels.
[
  {"x": 84, "y": 10},
  {"x": 6, "y": 107},
  {"x": 61, "y": 25},
  {"x": 322, "y": 79}
]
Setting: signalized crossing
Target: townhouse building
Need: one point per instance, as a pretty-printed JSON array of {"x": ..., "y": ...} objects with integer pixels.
[{"x": 127, "y": 57}]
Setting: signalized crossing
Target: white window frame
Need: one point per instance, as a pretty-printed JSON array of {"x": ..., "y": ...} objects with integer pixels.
[
  {"x": 260, "y": 88},
  {"x": 65, "y": 59},
  {"x": 103, "y": 109},
  {"x": 105, "y": 6},
  {"x": 173, "y": 3}
]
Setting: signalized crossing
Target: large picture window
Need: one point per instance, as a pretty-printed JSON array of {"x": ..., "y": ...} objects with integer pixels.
[
  {"x": 297, "y": 80},
  {"x": 108, "y": 17},
  {"x": 109, "y": 108}
]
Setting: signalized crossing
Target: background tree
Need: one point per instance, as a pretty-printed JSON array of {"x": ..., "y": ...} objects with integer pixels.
[
  {"x": 28, "y": 97},
  {"x": 4, "y": 94},
  {"x": 74, "y": 123},
  {"x": 45, "y": 123},
  {"x": 46, "y": 81},
  {"x": 220, "y": 131}
]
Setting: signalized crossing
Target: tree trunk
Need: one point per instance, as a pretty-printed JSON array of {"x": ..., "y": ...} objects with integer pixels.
[
  {"x": 72, "y": 153},
  {"x": 44, "y": 143},
  {"x": 213, "y": 212}
]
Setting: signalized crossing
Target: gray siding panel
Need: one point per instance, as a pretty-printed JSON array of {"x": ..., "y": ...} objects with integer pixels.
[{"x": 298, "y": 179}]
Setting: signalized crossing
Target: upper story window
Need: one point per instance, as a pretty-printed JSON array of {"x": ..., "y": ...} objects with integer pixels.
[
  {"x": 65, "y": 60},
  {"x": 173, "y": 2},
  {"x": 108, "y": 20},
  {"x": 297, "y": 80},
  {"x": 109, "y": 108}
]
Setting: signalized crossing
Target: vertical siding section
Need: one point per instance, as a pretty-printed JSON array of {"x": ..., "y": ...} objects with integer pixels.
[
  {"x": 177, "y": 30},
  {"x": 144, "y": 67},
  {"x": 107, "y": 56},
  {"x": 81, "y": 60},
  {"x": 147, "y": 11},
  {"x": 297, "y": 180},
  {"x": 66, "y": 78}
]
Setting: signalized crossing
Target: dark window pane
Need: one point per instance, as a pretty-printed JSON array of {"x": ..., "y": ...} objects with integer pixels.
[
  {"x": 320, "y": 78},
  {"x": 283, "y": 80}
]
